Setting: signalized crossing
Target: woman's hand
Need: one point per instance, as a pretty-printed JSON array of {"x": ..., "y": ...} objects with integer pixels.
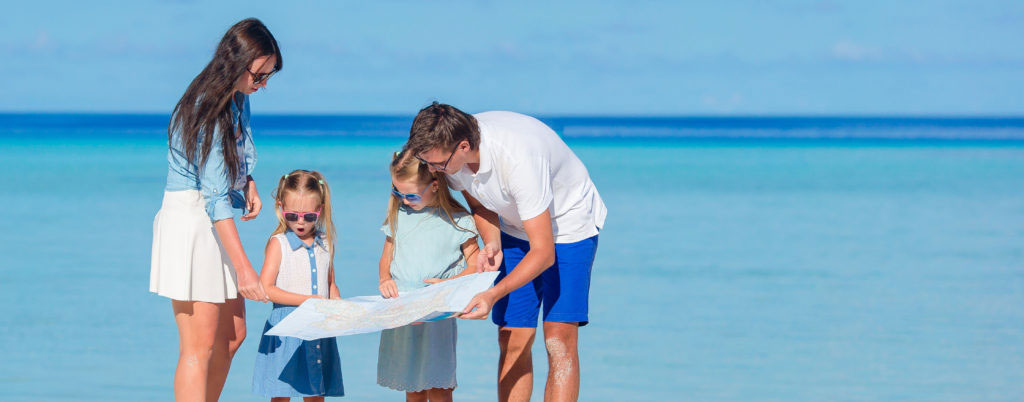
[
  {"x": 479, "y": 306},
  {"x": 252, "y": 200},
  {"x": 431, "y": 281},
  {"x": 489, "y": 257},
  {"x": 249, "y": 286},
  {"x": 388, "y": 289}
]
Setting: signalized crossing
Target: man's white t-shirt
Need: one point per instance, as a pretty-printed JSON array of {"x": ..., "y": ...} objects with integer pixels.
[{"x": 525, "y": 169}]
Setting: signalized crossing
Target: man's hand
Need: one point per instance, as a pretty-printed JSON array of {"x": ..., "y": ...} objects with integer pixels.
[
  {"x": 479, "y": 307},
  {"x": 489, "y": 257}
]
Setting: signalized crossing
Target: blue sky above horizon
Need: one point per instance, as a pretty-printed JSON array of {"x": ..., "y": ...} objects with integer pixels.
[{"x": 574, "y": 57}]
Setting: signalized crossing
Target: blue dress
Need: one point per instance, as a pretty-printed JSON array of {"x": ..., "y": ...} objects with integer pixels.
[
  {"x": 418, "y": 357},
  {"x": 287, "y": 366}
]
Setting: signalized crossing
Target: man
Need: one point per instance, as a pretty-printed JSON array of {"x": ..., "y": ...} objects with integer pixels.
[{"x": 514, "y": 167}]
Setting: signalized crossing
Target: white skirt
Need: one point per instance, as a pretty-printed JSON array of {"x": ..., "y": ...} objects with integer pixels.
[{"x": 189, "y": 263}]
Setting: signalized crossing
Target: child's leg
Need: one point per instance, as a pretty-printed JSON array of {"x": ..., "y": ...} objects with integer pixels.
[
  {"x": 416, "y": 396},
  {"x": 440, "y": 394},
  {"x": 280, "y": 399},
  {"x": 197, "y": 329},
  {"x": 312, "y": 399},
  {"x": 230, "y": 334},
  {"x": 515, "y": 363}
]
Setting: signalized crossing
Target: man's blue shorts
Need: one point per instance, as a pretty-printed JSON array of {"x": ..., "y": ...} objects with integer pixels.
[{"x": 564, "y": 287}]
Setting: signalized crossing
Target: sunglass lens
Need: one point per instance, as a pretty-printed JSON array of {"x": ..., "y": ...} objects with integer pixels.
[
  {"x": 291, "y": 216},
  {"x": 309, "y": 217}
]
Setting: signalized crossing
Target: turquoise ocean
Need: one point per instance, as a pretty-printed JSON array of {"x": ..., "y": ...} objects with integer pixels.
[{"x": 743, "y": 259}]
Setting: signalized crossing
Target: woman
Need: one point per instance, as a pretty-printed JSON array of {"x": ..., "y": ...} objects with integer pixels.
[{"x": 198, "y": 261}]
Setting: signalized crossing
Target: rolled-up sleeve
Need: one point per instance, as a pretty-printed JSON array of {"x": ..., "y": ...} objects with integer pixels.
[{"x": 214, "y": 185}]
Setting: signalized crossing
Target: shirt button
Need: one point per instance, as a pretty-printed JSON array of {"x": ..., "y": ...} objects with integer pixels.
[
  {"x": 314, "y": 269},
  {"x": 317, "y": 361},
  {"x": 318, "y": 346}
]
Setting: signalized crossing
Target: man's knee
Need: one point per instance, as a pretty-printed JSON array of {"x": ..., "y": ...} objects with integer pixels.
[{"x": 515, "y": 340}]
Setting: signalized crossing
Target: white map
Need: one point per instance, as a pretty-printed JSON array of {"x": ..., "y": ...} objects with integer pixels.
[{"x": 324, "y": 318}]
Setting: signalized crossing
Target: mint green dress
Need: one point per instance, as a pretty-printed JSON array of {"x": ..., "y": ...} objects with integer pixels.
[{"x": 418, "y": 357}]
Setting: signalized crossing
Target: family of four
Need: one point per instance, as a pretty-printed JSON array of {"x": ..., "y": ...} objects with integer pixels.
[{"x": 533, "y": 215}]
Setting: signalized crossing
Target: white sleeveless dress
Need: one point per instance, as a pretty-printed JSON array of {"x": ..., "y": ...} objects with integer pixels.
[{"x": 287, "y": 366}]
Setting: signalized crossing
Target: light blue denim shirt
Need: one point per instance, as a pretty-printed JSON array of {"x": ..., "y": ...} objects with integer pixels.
[{"x": 219, "y": 193}]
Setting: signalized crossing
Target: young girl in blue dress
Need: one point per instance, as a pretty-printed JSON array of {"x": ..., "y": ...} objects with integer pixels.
[
  {"x": 430, "y": 238},
  {"x": 299, "y": 266}
]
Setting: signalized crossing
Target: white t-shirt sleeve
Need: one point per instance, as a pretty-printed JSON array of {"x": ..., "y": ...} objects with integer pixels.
[{"x": 529, "y": 183}]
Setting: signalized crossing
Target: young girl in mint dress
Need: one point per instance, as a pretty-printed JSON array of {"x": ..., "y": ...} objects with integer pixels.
[{"x": 430, "y": 238}]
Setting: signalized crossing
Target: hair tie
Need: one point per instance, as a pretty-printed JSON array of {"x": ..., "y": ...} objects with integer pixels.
[
  {"x": 284, "y": 177},
  {"x": 321, "y": 181}
]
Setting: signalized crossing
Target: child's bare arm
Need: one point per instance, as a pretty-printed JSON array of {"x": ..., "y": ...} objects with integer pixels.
[
  {"x": 387, "y": 286},
  {"x": 469, "y": 250},
  {"x": 268, "y": 277}
]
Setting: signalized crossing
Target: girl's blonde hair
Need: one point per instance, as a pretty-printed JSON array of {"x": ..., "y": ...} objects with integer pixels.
[
  {"x": 305, "y": 182},
  {"x": 406, "y": 168}
]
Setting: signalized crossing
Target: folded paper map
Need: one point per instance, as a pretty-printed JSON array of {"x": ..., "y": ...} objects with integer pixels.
[{"x": 324, "y": 318}]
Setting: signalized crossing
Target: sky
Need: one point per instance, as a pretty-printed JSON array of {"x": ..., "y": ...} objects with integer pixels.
[{"x": 636, "y": 58}]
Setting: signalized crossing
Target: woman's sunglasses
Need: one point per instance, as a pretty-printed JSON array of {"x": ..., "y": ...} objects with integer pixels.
[
  {"x": 259, "y": 78},
  {"x": 292, "y": 216}
]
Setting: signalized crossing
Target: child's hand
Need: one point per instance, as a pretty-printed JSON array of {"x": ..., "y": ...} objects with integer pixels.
[{"x": 388, "y": 289}]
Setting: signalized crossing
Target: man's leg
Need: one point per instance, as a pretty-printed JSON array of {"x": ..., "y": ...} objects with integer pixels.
[
  {"x": 563, "y": 361},
  {"x": 515, "y": 364},
  {"x": 566, "y": 293}
]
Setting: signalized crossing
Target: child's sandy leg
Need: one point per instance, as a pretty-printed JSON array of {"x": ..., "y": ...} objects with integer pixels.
[
  {"x": 230, "y": 334},
  {"x": 197, "y": 329},
  {"x": 280, "y": 399},
  {"x": 440, "y": 394},
  {"x": 563, "y": 361},
  {"x": 515, "y": 363},
  {"x": 312, "y": 399}
]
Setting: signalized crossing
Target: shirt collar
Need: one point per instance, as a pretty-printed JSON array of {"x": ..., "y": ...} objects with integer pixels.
[{"x": 295, "y": 242}]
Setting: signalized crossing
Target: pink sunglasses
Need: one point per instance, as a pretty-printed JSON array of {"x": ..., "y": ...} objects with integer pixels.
[{"x": 292, "y": 216}]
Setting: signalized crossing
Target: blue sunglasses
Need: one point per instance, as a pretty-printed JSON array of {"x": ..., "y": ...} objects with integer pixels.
[{"x": 412, "y": 197}]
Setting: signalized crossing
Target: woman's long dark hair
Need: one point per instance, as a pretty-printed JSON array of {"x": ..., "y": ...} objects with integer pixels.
[{"x": 206, "y": 103}]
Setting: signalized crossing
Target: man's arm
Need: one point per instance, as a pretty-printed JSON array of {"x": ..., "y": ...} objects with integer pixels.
[
  {"x": 540, "y": 257},
  {"x": 489, "y": 257}
]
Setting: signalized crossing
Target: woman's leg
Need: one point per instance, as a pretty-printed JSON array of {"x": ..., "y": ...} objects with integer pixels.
[
  {"x": 280, "y": 399},
  {"x": 440, "y": 394},
  {"x": 230, "y": 334},
  {"x": 197, "y": 329},
  {"x": 312, "y": 399}
]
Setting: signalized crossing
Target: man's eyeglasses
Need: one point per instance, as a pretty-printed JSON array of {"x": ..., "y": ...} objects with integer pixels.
[
  {"x": 438, "y": 166},
  {"x": 292, "y": 216}
]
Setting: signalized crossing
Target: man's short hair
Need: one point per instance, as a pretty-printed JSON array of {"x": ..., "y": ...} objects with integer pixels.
[{"x": 441, "y": 126}]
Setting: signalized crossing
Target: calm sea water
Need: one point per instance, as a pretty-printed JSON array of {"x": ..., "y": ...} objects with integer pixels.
[{"x": 743, "y": 259}]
